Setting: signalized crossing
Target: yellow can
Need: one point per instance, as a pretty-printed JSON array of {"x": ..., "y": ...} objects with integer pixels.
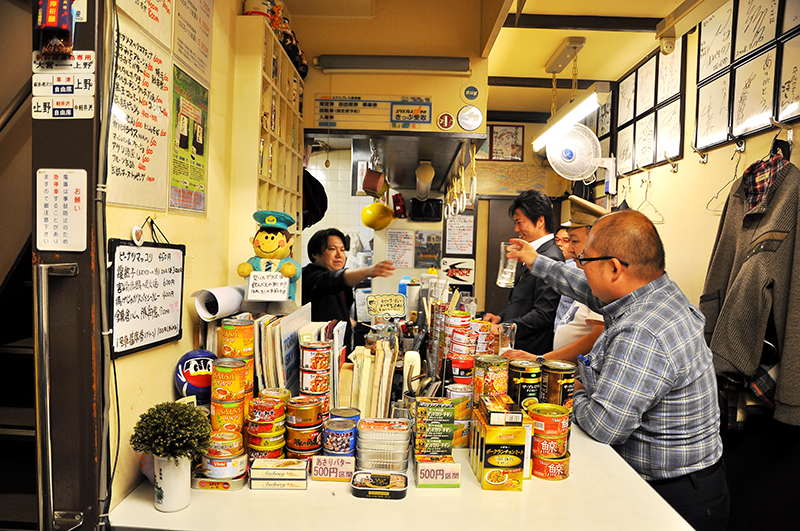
[
  {"x": 227, "y": 379},
  {"x": 236, "y": 338},
  {"x": 227, "y": 415}
]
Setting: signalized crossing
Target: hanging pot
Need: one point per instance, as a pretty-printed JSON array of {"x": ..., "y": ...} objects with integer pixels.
[
  {"x": 376, "y": 216},
  {"x": 375, "y": 183},
  {"x": 173, "y": 483}
]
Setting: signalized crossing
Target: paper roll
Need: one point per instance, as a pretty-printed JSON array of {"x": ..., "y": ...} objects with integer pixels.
[{"x": 218, "y": 302}]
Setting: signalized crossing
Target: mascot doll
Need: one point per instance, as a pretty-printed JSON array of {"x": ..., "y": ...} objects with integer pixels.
[{"x": 273, "y": 245}]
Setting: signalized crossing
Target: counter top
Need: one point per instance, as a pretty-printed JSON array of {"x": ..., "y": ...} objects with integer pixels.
[{"x": 602, "y": 493}]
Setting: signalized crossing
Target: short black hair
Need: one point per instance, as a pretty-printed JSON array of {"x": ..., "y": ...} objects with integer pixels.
[
  {"x": 319, "y": 242},
  {"x": 534, "y": 205}
]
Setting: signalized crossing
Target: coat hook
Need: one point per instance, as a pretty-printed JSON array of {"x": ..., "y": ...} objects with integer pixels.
[
  {"x": 741, "y": 145},
  {"x": 703, "y": 155},
  {"x": 672, "y": 163}
]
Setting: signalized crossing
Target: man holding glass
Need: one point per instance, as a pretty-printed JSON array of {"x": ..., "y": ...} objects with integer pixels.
[
  {"x": 532, "y": 303},
  {"x": 649, "y": 387}
]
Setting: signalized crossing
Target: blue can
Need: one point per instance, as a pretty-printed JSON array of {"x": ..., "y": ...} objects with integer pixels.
[{"x": 338, "y": 436}]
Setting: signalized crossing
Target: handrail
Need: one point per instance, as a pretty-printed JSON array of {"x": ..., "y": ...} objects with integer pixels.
[{"x": 12, "y": 108}]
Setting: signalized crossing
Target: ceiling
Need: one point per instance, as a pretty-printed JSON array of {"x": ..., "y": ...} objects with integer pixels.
[{"x": 618, "y": 35}]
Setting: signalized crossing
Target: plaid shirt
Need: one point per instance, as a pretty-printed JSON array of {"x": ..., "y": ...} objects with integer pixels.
[
  {"x": 757, "y": 179},
  {"x": 650, "y": 389}
]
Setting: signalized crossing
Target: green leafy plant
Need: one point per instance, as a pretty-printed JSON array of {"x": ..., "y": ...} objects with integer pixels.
[{"x": 172, "y": 430}]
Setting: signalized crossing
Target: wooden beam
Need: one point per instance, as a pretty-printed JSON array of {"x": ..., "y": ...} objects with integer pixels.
[
  {"x": 583, "y": 23},
  {"x": 536, "y": 82},
  {"x": 493, "y": 13},
  {"x": 517, "y": 117}
]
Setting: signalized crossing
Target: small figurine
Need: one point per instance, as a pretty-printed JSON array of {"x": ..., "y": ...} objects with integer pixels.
[{"x": 273, "y": 245}]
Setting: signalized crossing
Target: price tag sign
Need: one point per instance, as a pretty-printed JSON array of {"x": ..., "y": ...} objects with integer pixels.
[
  {"x": 330, "y": 468},
  {"x": 391, "y": 304}
]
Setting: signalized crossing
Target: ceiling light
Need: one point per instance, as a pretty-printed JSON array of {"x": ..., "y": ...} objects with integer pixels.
[
  {"x": 393, "y": 64},
  {"x": 598, "y": 94}
]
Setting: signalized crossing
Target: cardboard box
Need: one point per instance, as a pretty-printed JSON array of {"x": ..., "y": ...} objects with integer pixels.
[
  {"x": 437, "y": 471},
  {"x": 500, "y": 455},
  {"x": 278, "y": 484},
  {"x": 500, "y": 410},
  {"x": 434, "y": 409},
  {"x": 279, "y": 469}
]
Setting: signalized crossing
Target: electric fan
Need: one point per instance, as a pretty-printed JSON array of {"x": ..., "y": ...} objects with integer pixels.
[{"x": 576, "y": 156}]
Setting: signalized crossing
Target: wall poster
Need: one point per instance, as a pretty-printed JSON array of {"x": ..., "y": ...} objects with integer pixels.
[
  {"x": 138, "y": 156},
  {"x": 645, "y": 140},
  {"x": 427, "y": 249},
  {"x": 193, "y": 20},
  {"x": 625, "y": 150},
  {"x": 189, "y": 133},
  {"x": 753, "y": 95},
  {"x": 400, "y": 248},
  {"x": 155, "y": 16},
  {"x": 459, "y": 235},
  {"x": 669, "y": 73},
  {"x": 668, "y": 131},
  {"x": 627, "y": 97}
]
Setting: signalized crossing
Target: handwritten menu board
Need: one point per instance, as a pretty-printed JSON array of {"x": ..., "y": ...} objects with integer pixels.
[
  {"x": 627, "y": 92},
  {"x": 646, "y": 86},
  {"x": 715, "y": 41},
  {"x": 192, "y": 45},
  {"x": 645, "y": 140},
  {"x": 756, "y": 22},
  {"x": 400, "y": 248},
  {"x": 791, "y": 15},
  {"x": 459, "y": 235},
  {"x": 789, "y": 102},
  {"x": 669, "y": 73},
  {"x": 147, "y": 295},
  {"x": 153, "y": 15},
  {"x": 138, "y": 143},
  {"x": 754, "y": 92},
  {"x": 668, "y": 131},
  {"x": 604, "y": 118},
  {"x": 712, "y": 113},
  {"x": 625, "y": 150}
]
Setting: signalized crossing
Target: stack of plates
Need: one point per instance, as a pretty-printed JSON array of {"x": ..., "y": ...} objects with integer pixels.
[{"x": 382, "y": 444}]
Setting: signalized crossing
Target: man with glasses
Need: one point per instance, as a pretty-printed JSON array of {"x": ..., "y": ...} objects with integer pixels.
[{"x": 648, "y": 384}]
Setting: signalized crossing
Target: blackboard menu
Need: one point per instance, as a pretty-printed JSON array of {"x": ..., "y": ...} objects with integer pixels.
[{"x": 146, "y": 296}]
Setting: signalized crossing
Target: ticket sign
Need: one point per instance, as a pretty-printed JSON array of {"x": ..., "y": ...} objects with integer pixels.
[
  {"x": 267, "y": 286},
  {"x": 330, "y": 468},
  {"x": 48, "y": 107},
  {"x": 63, "y": 84},
  {"x": 391, "y": 304}
]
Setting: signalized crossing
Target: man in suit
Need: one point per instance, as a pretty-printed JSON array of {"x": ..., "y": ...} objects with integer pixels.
[{"x": 532, "y": 303}]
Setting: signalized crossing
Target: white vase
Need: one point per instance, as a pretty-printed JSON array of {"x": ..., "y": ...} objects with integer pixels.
[{"x": 173, "y": 483}]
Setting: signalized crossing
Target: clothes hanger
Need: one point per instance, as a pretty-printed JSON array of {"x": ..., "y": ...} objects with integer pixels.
[
  {"x": 735, "y": 176},
  {"x": 646, "y": 202}
]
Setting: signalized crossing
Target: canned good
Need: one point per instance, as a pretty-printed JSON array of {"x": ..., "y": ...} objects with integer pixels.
[
  {"x": 339, "y": 435},
  {"x": 225, "y": 443},
  {"x": 558, "y": 383},
  {"x": 552, "y": 468},
  {"x": 266, "y": 452},
  {"x": 278, "y": 393},
  {"x": 304, "y": 438},
  {"x": 325, "y": 401},
  {"x": 236, "y": 338},
  {"x": 262, "y": 440},
  {"x": 549, "y": 446},
  {"x": 315, "y": 356},
  {"x": 302, "y": 454},
  {"x": 461, "y": 395},
  {"x": 263, "y": 427},
  {"x": 266, "y": 409},
  {"x": 461, "y": 435},
  {"x": 352, "y": 413},
  {"x": 315, "y": 382},
  {"x": 524, "y": 380},
  {"x": 480, "y": 326},
  {"x": 304, "y": 411},
  {"x": 467, "y": 336},
  {"x": 249, "y": 371},
  {"x": 227, "y": 379},
  {"x": 458, "y": 319},
  {"x": 217, "y": 467},
  {"x": 227, "y": 415},
  {"x": 463, "y": 368},
  {"x": 491, "y": 375},
  {"x": 463, "y": 349},
  {"x": 549, "y": 419}
]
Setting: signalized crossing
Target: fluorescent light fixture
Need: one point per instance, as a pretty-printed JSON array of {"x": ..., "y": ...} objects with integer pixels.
[
  {"x": 597, "y": 95},
  {"x": 393, "y": 64}
]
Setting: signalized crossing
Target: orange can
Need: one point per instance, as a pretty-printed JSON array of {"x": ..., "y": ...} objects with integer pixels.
[
  {"x": 549, "y": 419},
  {"x": 227, "y": 379},
  {"x": 227, "y": 415},
  {"x": 304, "y": 411},
  {"x": 550, "y": 468},
  {"x": 278, "y": 393},
  {"x": 547, "y": 446},
  {"x": 236, "y": 338}
]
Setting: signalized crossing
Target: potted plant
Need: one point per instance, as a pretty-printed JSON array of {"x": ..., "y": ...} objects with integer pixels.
[{"x": 174, "y": 433}]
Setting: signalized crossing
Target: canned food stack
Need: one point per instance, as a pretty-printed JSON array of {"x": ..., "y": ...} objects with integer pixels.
[
  {"x": 461, "y": 347},
  {"x": 339, "y": 432},
  {"x": 303, "y": 427},
  {"x": 227, "y": 394},
  {"x": 524, "y": 382},
  {"x": 551, "y": 425},
  {"x": 315, "y": 372},
  {"x": 225, "y": 457},
  {"x": 237, "y": 343},
  {"x": 265, "y": 428},
  {"x": 461, "y": 396},
  {"x": 382, "y": 444},
  {"x": 434, "y": 427},
  {"x": 485, "y": 340},
  {"x": 436, "y": 342}
]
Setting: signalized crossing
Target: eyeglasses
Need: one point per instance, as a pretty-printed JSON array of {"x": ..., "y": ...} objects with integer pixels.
[{"x": 583, "y": 260}]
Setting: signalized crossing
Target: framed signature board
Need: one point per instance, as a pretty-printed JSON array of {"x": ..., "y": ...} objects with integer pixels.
[{"x": 146, "y": 295}]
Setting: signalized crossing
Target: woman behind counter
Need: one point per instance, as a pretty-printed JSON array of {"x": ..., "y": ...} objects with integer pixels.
[{"x": 328, "y": 286}]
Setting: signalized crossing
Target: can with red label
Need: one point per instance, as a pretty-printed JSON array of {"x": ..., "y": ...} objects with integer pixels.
[
  {"x": 266, "y": 409},
  {"x": 315, "y": 382},
  {"x": 315, "y": 356},
  {"x": 225, "y": 443},
  {"x": 463, "y": 365},
  {"x": 549, "y": 419},
  {"x": 552, "y": 468},
  {"x": 549, "y": 446}
]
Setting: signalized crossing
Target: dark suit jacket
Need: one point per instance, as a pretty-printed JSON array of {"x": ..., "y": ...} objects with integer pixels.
[{"x": 532, "y": 307}]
